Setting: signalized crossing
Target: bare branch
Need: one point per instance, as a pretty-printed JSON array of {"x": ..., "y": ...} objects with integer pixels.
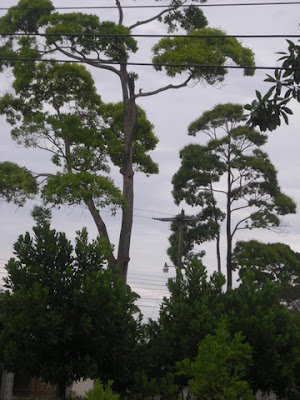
[
  {"x": 219, "y": 191},
  {"x": 165, "y": 88},
  {"x": 38, "y": 175},
  {"x": 95, "y": 63},
  {"x": 146, "y": 21},
  {"x": 120, "y": 12},
  {"x": 240, "y": 208},
  {"x": 238, "y": 224}
]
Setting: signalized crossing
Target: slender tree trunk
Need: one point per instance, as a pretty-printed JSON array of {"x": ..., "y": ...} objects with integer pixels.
[
  {"x": 228, "y": 227},
  {"x": 130, "y": 124},
  {"x": 218, "y": 253},
  {"x": 99, "y": 224},
  {"x": 218, "y": 239},
  {"x": 61, "y": 391}
]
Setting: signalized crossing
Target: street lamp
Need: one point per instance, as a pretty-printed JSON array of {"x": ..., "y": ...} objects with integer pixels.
[{"x": 166, "y": 268}]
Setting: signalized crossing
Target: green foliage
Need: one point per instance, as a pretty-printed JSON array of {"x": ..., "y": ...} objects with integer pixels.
[
  {"x": 57, "y": 109},
  {"x": 66, "y": 316},
  {"x": 219, "y": 370},
  {"x": 267, "y": 111},
  {"x": 216, "y": 118},
  {"x": 233, "y": 341},
  {"x": 204, "y": 52},
  {"x": 80, "y": 131},
  {"x": 101, "y": 393},
  {"x": 272, "y": 332},
  {"x": 184, "y": 320},
  {"x": 71, "y": 188},
  {"x": 144, "y": 138},
  {"x": 115, "y": 48},
  {"x": 17, "y": 184},
  {"x": 202, "y": 227},
  {"x": 149, "y": 388},
  {"x": 25, "y": 16},
  {"x": 276, "y": 262},
  {"x": 189, "y": 18},
  {"x": 251, "y": 179}
]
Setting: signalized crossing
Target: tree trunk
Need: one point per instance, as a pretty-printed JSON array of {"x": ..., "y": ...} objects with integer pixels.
[
  {"x": 218, "y": 253},
  {"x": 130, "y": 124},
  {"x": 61, "y": 391},
  {"x": 228, "y": 224},
  {"x": 99, "y": 224}
]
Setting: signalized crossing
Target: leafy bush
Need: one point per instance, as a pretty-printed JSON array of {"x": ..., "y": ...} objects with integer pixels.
[{"x": 101, "y": 393}]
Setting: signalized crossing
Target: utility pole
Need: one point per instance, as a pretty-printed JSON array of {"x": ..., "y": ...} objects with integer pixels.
[{"x": 181, "y": 219}]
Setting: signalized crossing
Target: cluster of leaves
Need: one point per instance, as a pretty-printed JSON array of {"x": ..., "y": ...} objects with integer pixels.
[
  {"x": 220, "y": 368},
  {"x": 224, "y": 345},
  {"x": 79, "y": 130},
  {"x": 204, "y": 51},
  {"x": 185, "y": 318},
  {"x": 272, "y": 332},
  {"x": 66, "y": 315},
  {"x": 267, "y": 110},
  {"x": 102, "y": 393},
  {"x": 17, "y": 184},
  {"x": 200, "y": 228},
  {"x": 276, "y": 262}
]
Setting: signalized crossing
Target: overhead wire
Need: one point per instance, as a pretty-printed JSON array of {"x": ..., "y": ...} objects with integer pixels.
[
  {"x": 140, "y": 287},
  {"x": 172, "y": 65},
  {"x": 248, "y": 4},
  {"x": 149, "y": 35},
  {"x": 146, "y": 283}
]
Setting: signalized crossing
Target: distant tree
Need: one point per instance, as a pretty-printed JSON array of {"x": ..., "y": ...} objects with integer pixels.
[
  {"x": 220, "y": 368},
  {"x": 64, "y": 318},
  {"x": 201, "y": 227},
  {"x": 276, "y": 262},
  {"x": 267, "y": 111},
  {"x": 83, "y": 38},
  {"x": 231, "y": 165}
]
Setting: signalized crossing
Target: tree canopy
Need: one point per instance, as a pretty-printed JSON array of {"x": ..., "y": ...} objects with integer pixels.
[
  {"x": 276, "y": 262},
  {"x": 108, "y": 45},
  {"x": 232, "y": 165},
  {"x": 56, "y": 109},
  {"x": 220, "y": 368},
  {"x": 65, "y": 315},
  {"x": 235, "y": 342}
]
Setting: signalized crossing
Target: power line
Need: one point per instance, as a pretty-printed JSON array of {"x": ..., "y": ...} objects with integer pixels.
[
  {"x": 155, "y": 6},
  {"x": 146, "y": 283},
  {"x": 145, "y": 275},
  {"x": 147, "y": 306},
  {"x": 150, "y": 298},
  {"x": 150, "y": 279},
  {"x": 152, "y": 211},
  {"x": 95, "y": 61},
  {"x": 154, "y": 282},
  {"x": 140, "y": 287},
  {"x": 129, "y": 35}
]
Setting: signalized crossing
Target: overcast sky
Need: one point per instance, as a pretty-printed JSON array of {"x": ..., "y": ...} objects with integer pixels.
[{"x": 171, "y": 112}]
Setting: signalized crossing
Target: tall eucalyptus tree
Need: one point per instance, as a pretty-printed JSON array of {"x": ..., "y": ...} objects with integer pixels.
[{"x": 108, "y": 45}]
